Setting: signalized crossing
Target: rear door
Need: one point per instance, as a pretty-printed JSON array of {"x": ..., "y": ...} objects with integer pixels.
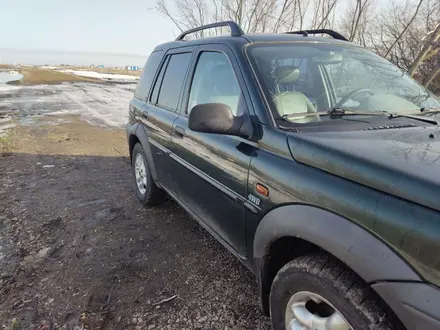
[
  {"x": 144, "y": 85},
  {"x": 210, "y": 170},
  {"x": 160, "y": 110}
]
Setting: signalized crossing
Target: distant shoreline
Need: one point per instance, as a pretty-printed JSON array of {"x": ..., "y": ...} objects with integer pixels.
[
  {"x": 69, "y": 52},
  {"x": 58, "y": 58}
]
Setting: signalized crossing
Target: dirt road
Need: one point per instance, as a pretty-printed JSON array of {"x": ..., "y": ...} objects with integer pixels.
[{"x": 77, "y": 250}]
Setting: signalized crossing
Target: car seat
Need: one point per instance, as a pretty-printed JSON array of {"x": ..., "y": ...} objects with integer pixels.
[{"x": 291, "y": 102}]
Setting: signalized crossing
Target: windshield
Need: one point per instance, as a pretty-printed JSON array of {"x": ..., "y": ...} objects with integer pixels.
[{"x": 302, "y": 78}]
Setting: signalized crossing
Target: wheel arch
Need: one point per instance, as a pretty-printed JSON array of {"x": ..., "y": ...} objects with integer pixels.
[
  {"x": 132, "y": 141},
  {"x": 296, "y": 229},
  {"x": 137, "y": 134}
]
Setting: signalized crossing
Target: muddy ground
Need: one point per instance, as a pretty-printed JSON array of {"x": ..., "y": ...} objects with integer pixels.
[{"x": 78, "y": 251}]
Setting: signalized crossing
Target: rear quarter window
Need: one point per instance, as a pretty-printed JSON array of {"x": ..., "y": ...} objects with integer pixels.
[{"x": 146, "y": 79}]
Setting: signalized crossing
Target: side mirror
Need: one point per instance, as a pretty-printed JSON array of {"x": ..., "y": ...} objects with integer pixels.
[{"x": 217, "y": 118}]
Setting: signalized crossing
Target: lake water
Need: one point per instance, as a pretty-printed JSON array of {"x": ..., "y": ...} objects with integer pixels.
[{"x": 35, "y": 57}]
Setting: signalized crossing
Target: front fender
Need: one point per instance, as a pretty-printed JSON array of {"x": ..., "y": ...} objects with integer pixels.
[{"x": 359, "y": 249}]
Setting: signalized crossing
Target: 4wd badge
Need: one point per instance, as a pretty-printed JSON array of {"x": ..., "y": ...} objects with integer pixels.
[{"x": 254, "y": 199}]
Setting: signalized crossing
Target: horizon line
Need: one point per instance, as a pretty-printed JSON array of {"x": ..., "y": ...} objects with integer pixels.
[{"x": 70, "y": 51}]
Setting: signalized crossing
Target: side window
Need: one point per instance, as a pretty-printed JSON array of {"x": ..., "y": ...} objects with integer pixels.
[
  {"x": 156, "y": 88},
  {"x": 173, "y": 79},
  {"x": 146, "y": 79},
  {"x": 214, "y": 81}
]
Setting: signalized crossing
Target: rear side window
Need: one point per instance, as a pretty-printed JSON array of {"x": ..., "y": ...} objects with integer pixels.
[
  {"x": 155, "y": 92},
  {"x": 144, "y": 85},
  {"x": 173, "y": 80}
]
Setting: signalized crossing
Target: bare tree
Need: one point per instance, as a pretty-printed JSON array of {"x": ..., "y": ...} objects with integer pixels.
[
  {"x": 358, "y": 14},
  {"x": 397, "y": 39},
  {"x": 428, "y": 50},
  {"x": 407, "y": 32},
  {"x": 322, "y": 13},
  {"x": 428, "y": 79},
  {"x": 251, "y": 15},
  {"x": 355, "y": 21},
  {"x": 187, "y": 13}
]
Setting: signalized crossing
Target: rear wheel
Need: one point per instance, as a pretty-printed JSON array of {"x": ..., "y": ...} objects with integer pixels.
[
  {"x": 146, "y": 190},
  {"x": 317, "y": 292}
]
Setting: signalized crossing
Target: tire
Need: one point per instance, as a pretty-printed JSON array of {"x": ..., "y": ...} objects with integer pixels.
[
  {"x": 341, "y": 288},
  {"x": 152, "y": 194}
]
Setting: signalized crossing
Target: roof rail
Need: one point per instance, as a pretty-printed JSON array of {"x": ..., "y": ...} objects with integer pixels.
[
  {"x": 331, "y": 33},
  {"x": 236, "y": 30}
]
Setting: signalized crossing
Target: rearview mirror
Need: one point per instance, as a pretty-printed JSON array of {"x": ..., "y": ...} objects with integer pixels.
[
  {"x": 331, "y": 58},
  {"x": 217, "y": 118}
]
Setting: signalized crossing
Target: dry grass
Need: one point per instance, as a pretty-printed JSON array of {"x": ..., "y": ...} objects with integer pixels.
[
  {"x": 38, "y": 76},
  {"x": 6, "y": 66},
  {"x": 5, "y": 144}
]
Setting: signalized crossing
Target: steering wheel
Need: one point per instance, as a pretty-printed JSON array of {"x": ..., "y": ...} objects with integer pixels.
[{"x": 350, "y": 95}]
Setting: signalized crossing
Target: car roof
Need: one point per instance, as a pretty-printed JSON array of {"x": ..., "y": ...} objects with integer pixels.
[{"x": 249, "y": 39}]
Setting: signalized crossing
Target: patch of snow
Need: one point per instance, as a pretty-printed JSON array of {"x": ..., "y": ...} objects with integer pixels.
[
  {"x": 106, "y": 76},
  {"x": 105, "y": 105},
  {"x": 8, "y": 88},
  {"x": 10, "y": 76},
  {"x": 5, "y": 125}
]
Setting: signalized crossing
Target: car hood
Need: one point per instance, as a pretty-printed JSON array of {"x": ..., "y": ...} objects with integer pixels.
[{"x": 404, "y": 162}]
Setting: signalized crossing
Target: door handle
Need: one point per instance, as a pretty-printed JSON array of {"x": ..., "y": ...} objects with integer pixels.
[{"x": 179, "y": 131}]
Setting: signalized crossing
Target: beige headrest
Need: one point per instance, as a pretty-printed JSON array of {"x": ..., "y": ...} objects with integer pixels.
[{"x": 286, "y": 75}]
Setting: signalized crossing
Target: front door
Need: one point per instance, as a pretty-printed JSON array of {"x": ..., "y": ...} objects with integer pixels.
[{"x": 211, "y": 170}]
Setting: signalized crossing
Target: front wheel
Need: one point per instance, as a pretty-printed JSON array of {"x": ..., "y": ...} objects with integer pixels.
[
  {"x": 317, "y": 292},
  {"x": 146, "y": 190}
]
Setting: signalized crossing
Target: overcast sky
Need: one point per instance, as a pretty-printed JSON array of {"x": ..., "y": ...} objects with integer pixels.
[{"x": 109, "y": 26}]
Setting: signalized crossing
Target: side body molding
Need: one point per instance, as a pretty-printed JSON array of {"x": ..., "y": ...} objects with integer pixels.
[{"x": 365, "y": 254}]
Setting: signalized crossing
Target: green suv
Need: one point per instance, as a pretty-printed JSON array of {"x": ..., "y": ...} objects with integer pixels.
[{"x": 316, "y": 162}]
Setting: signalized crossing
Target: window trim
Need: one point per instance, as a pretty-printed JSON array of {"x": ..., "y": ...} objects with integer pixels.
[
  {"x": 153, "y": 81},
  {"x": 158, "y": 80},
  {"x": 199, "y": 52},
  {"x": 164, "y": 64}
]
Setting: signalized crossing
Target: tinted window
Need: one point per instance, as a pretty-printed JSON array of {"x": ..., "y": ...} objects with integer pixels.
[
  {"x": 144, "y": 85},
  {"x": 173, "y": 80},
  {"x": 214, "y": 82},
  {"x": 155, "y": 93}
]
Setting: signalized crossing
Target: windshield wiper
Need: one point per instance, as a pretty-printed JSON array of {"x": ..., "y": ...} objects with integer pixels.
[
  {"x": 339, "y": 112},
  {"x": 335, "y": 113},
  {"x": 417, "y": 115},
  {"x": 429, "y": 110}
]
